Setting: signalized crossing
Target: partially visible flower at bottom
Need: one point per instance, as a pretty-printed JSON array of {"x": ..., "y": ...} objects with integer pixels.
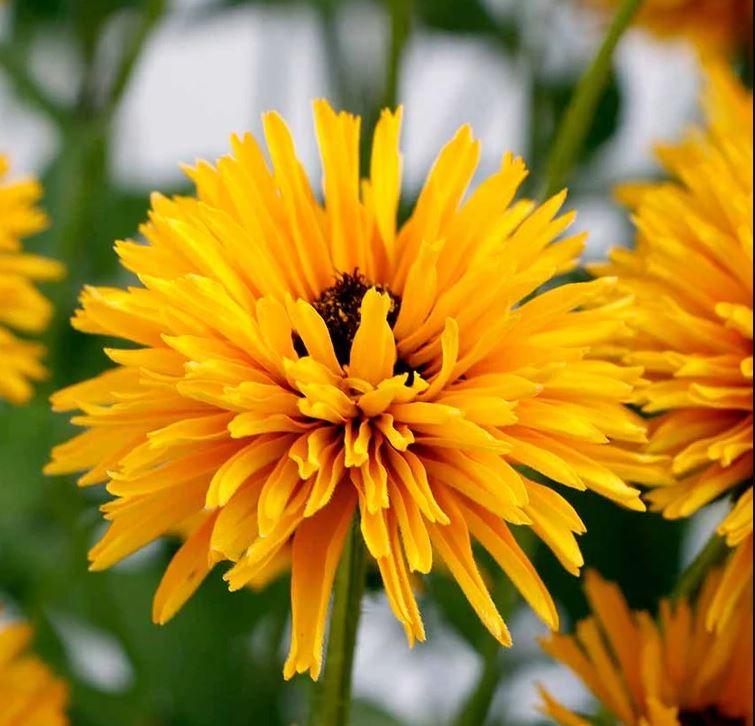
[
  {"x": 30, "y": 694},
  {"x": 302, "y": 367},
  {"x": 674, "y": 672},
  {"x": 22, "y": 306}
]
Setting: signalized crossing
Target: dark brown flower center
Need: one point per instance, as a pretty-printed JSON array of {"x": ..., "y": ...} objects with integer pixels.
[
  {"x": 340, "y": 307},
  {"x": 710, "y": 717}
]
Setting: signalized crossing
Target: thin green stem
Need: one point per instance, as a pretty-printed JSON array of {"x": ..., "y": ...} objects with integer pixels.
[
  {"x": 400, "y": 12},
  {"x": 576, "y": 123},
  {"x": 343, "y": 90},
  {"x": 692, "y": 578},
  {"x": 151, "y": 14},
  {"x": 477, "y": 706},
  {"x": 16, "y": 68},
  {"x": 332, "y": 704}
]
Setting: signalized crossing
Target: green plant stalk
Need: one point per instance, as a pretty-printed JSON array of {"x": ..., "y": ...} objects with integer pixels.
[
  {"x": 495, "y": 667},
  {"x": 332, "y": 700},
  {"x": 16, "y": 67},
  {"x": 343, "y": 90},
  {"x": 692, "y": 578},
  {"x": 152, "y": 12},
  {"x": 477, "y": 706},
  {"x": 575, "y": 126},
  {"x": 400, "y": 12}
]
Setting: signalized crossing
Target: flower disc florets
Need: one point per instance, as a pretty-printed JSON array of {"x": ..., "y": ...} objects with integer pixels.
[{"x": 340, "y": 307}]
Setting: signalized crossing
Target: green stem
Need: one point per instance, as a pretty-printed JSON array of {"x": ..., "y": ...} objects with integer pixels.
[
  {"x": 333, "y": 699},
  {"x": 16, "y": 68},
  {"x": 576, "y": 123},
  {"x": 477, "y": 706},
  {"x": 343, "y": 89},
  {"x": 692, "y": 578},
  {"x": 152, "y": 12},
  {"x": 401, "y": 20}
]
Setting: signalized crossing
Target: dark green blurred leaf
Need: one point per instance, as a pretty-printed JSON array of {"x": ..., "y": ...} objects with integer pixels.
[
  {"x": 467, "y": 17},
  {"x": 457, "y": 16},
  {"x": 364, "y": 713},
  {"x": 607, "y": 119},
  {"x": 639, "y": 551},
  {"x": 605, "y": 123},
  {"x": 327, "y": 5},
  {"x": 551, "y": 99},
  {"x": 84, "y": 19}
]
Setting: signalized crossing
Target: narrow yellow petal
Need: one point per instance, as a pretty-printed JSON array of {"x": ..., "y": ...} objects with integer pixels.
[{"x": 373, "y": 352}]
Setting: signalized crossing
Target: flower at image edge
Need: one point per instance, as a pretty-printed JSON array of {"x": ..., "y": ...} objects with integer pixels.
[
  {"x": 22, "y": 307},
  {"x": 691, "y": 276},
  {"x": 717, "y": 26},
  {"x": 301, "y": 367},
  {"x": 671, "y": 673},
  {"x": 29, "y": 692}
]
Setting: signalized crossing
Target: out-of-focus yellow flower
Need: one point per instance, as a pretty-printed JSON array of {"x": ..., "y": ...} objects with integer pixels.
[
  {"x": 30, "y": 694},
  {"x": 22, "y": 307},
  {"x": 301, "y": 366},
  {"x": 713, "y": 25},
  {"x": 671, "y": 673},
  {"x": 692, "y": 279}
]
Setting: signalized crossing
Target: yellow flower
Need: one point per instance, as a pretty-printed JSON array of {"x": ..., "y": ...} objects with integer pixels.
[
  {"x": 301, "y": 366},
  {"x": 22, "y": 307},
  {"x": 671, "y": 673},
  {"x": 693, "y": 280},
  {"x": 30, "y": 694},
  {"x": 713, "y": 25}
]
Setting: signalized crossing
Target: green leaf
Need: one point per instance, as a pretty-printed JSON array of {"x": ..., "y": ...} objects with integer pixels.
[
  {"x": 470, "y": 17},
  {"x": 552, "y": 98},
  {"x": 455, "y": 16},
  {"x": 638, "y": 550},
  {"x": 366, "y": 713}
]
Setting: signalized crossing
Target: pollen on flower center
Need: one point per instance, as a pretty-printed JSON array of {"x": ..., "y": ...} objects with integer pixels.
[
  {"x": 709, "y": 717},
  {"x": 340, "y": 308}
]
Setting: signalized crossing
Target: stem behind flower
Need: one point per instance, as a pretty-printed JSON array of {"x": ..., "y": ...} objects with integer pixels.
[
  {"x": 692, "y": 579},
  {"x": 579, "y": 115},
  {"x": 332, "y": 701}
]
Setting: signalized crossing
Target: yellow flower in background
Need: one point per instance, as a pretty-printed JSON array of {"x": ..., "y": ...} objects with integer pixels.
[
  {"x": 30, "y": 694},
  {"x": 671, "y": 673},
  {"x": 22, "y": 307},
  {"x": 692, "y": 277},
  {"x": 713, "y": 25},
  {"x": 300, "y": 367}
]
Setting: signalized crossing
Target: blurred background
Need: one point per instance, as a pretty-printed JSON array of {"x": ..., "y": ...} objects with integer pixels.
[{"x": 104, "y": 99}]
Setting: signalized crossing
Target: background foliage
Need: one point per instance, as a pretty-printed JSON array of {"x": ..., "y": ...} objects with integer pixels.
[{"x": 219, "y": 661}]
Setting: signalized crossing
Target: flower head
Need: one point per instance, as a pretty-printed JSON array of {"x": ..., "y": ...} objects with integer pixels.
[
  {"x": 692, "y": 279},
  {"x": 713, "y": 25},
  {"x": 22, "y": 307},
  {"x": 670, "y": 673},
  {"x": 30, "y": 693},
  {"x": 302, "y": 366}
]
